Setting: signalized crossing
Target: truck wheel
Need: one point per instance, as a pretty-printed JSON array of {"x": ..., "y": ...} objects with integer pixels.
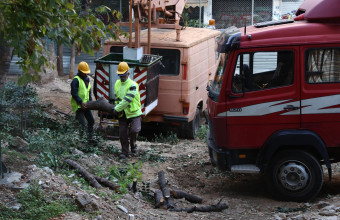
[
  {"x": 295, "y": 176},
  {"x": 191, "y": 128}
]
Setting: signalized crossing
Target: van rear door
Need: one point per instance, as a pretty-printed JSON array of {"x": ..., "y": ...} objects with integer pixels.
[
  {"x": 320, "y": 94},
  {"x": 263, "y": 95}
]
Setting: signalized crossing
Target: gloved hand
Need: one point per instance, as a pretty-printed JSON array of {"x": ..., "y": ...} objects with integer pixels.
[
  {"x": 115, "y": 113},
  {"x": 83, "y": 105}
]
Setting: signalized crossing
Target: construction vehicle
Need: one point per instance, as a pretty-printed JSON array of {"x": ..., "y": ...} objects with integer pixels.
[
  {"x": 188, "y": 61},
  {"x": 273, "y": 105}
]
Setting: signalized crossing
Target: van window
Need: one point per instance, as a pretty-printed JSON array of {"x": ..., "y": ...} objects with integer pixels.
[
  {"x": 263, "y": 70},
  {"x": 116, "y": 49},
  {"x": 170, "y": 60},
  {"x": 323, "y": 65}
]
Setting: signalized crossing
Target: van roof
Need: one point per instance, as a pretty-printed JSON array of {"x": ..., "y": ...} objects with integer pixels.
[
  {"x": 296, "y": 33},
  {"x": 167, "y": 37}
]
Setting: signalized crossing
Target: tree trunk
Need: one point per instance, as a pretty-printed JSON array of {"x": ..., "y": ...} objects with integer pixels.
[
  {"x": 210, "y": 208},
  {"x": 6, "y": 54},
  {"x": 60, "y": 67},
  {"x": 159, "y": 199},
  {"x": 163, "y": 185},
  {"x": 107, "y": 183},
  {"x": 88, "y": 176},
  {"x": 177, "y": 194},
  {"x": 101, "y": 104},
  {"x": 72, "y": 61}
]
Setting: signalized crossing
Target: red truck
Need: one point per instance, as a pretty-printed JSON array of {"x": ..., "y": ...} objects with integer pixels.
[{"x": 274, "y": 103}]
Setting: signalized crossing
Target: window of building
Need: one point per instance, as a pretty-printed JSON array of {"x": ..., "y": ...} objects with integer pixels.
[
  {"x": 323, "y": 65},
  {"x": 263, "y": 70}
]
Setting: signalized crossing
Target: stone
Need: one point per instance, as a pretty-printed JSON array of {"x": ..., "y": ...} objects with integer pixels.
[
  {"x": 328, "y": 212},
  {"x": 85, "y": 202},
  {"x": 322, "y": 204},
  {"x": 48, "y": 170}
]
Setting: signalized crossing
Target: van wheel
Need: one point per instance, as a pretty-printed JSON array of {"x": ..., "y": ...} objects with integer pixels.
[
  {"x": 295, "y": 176},
  {"x": 191, "y": 128}
]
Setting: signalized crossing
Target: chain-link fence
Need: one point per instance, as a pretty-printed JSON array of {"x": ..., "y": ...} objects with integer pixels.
[
  {"x": 241, "y": 12},
  {"x": 225, "y": 12}
]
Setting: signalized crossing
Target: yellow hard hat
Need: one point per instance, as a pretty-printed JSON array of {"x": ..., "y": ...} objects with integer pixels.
[
  {"x": 84, "y": 67},
  {"x": 123, "y": 67}
]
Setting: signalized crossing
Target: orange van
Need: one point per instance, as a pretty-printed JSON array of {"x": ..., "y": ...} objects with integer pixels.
[{"x": 187, "y": 66}]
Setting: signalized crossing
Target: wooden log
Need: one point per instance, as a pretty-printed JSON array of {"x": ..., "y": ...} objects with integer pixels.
[
  {"x": 177, "y": 194},
  {"x": 171, "y": 203},
  {"x": 159, "y": 199},
  {"x": 163, "y": 185},
  {"x": 211, "y": 208},
  {"x": 88, "y": 176},
  {"x": 165, "y": 205},
  {"x": 134, "y": 185},
  {"x": 108, "y": 183},
  {"x": 101, "y": 104}
]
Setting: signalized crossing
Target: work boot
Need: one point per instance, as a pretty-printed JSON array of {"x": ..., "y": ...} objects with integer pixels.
[
  {"x": 122, "y": 156},
  {"x": 134, "y": 149}
]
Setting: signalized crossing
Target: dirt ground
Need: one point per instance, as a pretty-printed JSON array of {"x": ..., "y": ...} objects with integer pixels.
[{"x": 187, "y": 168}]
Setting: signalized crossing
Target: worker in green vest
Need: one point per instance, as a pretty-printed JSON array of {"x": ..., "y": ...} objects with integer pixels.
[
  {"x": 81, "y": 93},
  {"x": 127, "y": 109}
]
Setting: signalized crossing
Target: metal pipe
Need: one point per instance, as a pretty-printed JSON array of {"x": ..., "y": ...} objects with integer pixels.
[
  {"x": 252, "y": 12},
  {"x": 130, "y": 25},
  {"x": 199, "y": 21},
  {"x": 149, "y": 29}
]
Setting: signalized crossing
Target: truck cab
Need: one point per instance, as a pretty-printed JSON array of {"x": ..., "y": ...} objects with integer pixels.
[{"x": 273, "y": 104}]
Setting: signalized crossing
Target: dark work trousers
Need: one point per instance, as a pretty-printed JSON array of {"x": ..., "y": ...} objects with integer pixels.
[
  {"x": 125, "y": 133},
  {"x": 85, "y": 117}
]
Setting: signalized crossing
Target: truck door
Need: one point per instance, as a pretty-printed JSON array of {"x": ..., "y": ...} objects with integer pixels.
[
  {"x": 320, "y": 94},
  {"x": 263, "y": 96}
]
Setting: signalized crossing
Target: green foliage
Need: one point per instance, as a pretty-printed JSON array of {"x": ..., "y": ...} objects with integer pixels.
[
  {"x": 189, "y": 22},
  {"x": 37, "y": 204},
  {"x": 112, "y": 149},
  {"x": 202, "y": 132},
  {"x": 50, "y": 138},
  {"x": 25, "y": 25},
  {"x": 124, "y": 175},
  {"x": 152, "y": 156},
  {"x": 169, "y": 138},
  {"x": 53, "y": 145}
]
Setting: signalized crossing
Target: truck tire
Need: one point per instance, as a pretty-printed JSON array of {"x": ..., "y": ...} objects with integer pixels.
[
  {"x": 295, "y": 175},
  {"x": 190, "y": 129}
]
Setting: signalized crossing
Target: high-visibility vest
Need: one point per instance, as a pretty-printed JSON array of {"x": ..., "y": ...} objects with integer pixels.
[
  {"x": 127, "y": 98},
  {"x": 83, "y": 93}
]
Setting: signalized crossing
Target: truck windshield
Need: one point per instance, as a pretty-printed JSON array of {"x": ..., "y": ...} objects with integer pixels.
[{"x": 216, "y": 84}]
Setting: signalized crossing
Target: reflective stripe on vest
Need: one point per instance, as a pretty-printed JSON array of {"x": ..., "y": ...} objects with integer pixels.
[
  {"x": 127, "y": 98},
  {"x": 83, "y": 93}
]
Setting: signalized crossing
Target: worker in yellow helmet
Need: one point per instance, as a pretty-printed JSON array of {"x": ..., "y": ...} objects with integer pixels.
[
  {"x": 127, "y": 109},
  {"x": 81, "y": 93}
]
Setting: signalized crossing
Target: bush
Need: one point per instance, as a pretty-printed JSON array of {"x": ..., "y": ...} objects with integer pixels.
[{"x": 37, "y": 204}]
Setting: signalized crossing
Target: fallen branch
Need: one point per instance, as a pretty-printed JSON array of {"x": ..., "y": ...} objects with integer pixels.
[
  {"x": 88, "y": 176},
  {"x": 134, "y": 186},
  {"x": 101, "y": 104},
  {"x": 107, "y": 183},
  {"x": 177, "y": 194},
  {"x": 170, "y": 203},
  {"x": 162, "y": 184},
  {"x": 211, "y": 208},
  {"x": 159, "y": 199}
]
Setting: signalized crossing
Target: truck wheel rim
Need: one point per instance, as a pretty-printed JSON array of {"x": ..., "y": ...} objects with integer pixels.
[{"x": 293, "y": 176}]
